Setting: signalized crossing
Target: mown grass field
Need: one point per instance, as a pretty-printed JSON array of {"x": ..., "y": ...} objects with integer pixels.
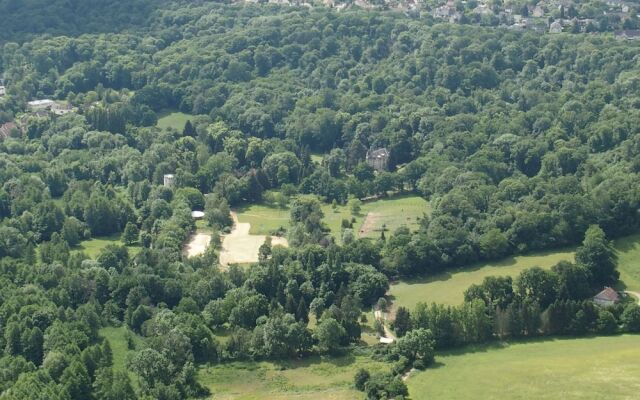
[
  {"x": 326, "y": 378},
  {"x": 587, "y": 368},
  {"x": 94, "y": 246},
  {"x": 392, "y": 212},
  {"x": 628, "y": 250},
  {"x": 448, "y": 287},
  {"x": 174, "y": 120}
]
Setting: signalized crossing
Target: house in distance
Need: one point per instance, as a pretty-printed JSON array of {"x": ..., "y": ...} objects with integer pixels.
[
  {"x": 378, "y": 159},
  {"x": 607, "y": 297}
]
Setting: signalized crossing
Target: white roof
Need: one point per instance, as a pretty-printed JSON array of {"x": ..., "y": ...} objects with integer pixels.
[
  {"x": 197, "y": 214},
  {"x": 40, "y": 102}
]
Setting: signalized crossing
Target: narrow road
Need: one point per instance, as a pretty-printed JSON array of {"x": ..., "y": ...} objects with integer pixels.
[
  {"x": 636, "y": 294},
  {"x": 379, "y": 315}
]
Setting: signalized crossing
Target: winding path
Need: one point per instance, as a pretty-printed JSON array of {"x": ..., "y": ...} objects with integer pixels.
[{"x": 632, "y": 293}]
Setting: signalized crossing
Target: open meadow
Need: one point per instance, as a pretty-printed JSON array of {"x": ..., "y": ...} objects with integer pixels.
[
  {"x": 174, "y": 120},
  {"x": 390, "y": 212},
  {"x": 588, "y": 368},
  {"x": 326, "y": 378},
  {"x": 448, "y": 287},
  {"x": 94, "y": 246}
]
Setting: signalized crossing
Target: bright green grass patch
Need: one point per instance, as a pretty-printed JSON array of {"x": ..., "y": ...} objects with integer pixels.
[
  {"x": 312, "y": 378},
  {"x": 118, "y": 343},
  {"x": 174, "y": 120},
  {"x": 448, "y": 287},
  {"x": 317, "y": 158},
  {"x": 628, "y": 251},
  {"x": 393, "y": 212},
  {"x": 589, "y": 368},
  {"x": 264, "y": 218},
  {"x": 94, "y": 246}
]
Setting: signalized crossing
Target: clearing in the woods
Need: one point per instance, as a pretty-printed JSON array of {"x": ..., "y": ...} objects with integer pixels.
[
  {"x": 240, "y": 246},
  {"x": 175, "y": 120},
  {"x": 326, "y": 378},
  {"x": 388, "y": 214},
  {"x": 448, "y": 287}
]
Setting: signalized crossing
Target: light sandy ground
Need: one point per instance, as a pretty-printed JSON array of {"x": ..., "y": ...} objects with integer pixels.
[
  {"x": 370, "y": 223},
  {"x": 634, "y": 294},
  {"x": 197, "y": 244},
  {"x": 389, "y": 337},
  {"x": 240, "y": 247}
]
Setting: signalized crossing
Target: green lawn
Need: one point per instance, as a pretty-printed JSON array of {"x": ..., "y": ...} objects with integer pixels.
[
  {"x": 448, "y": 287},
  {"x": 394, "y": 212},
  {"x": 174, "y": 120},
  {"x": 326, "y": 378},
  {"x": 94, "y": 246},
  {"x": 628, "y": 250},
  {"x": 263, "y": 218},
  {"x": 590, "y": 368},
  {"x": 118, "y": 343}
]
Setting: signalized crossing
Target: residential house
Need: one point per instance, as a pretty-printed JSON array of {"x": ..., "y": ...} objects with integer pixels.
[
  {"x": 607, "y": 297},
  {"x": 628, "y": 34},
  {"x": 378, "y": 159},
  {"x": 3, "y": 91}
]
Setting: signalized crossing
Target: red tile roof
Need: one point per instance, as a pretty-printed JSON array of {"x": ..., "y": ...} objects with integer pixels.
[{"x": 607, "y": 294}]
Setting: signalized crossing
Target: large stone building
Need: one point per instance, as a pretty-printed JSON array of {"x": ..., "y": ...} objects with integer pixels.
[{"x": 378, "y": 159}]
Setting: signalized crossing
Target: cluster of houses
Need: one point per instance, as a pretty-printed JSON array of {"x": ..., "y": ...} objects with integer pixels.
[{"x": 46, "y": 105}]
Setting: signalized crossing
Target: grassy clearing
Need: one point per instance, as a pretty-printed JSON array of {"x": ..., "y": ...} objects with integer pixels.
[
  {"x": 448, "y": 287},
  {"x": 118, "y": 342},
  {"x": 395, "y": 212},
  {"x": 327, "y": 378},
  {"x": 392, "y": 212},
  {"x": 589, "y": 368},
  {"x": 174, "y": 120},
  {"x": 263, "y": 218},
  {"x": 94, "y": 246},
  {"x": 628, "y": 250}
]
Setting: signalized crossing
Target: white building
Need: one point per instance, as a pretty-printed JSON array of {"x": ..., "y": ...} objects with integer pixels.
[
  {"x": 3, "y": 91},
  {"x": 36, "y": 105},
  {"x": 169, "y": 180}
]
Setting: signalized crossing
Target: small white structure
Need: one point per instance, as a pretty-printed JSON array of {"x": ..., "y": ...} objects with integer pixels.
[
  {"x": 169, "y": 180},
  {"x": 3, "y": 91},
  {"x": 38, "y": 105},
  {"x": 197, "y": 214}
]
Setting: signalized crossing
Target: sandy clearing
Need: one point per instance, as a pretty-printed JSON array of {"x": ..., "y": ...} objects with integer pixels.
[
  {"x": 239, "y": 247},
  {"x": 389, "y": 337},
  {"x": 369, "y": 224},
  {"x": 197, "y": 244}
]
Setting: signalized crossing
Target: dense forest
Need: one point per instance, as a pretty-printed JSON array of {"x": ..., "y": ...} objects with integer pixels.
[{"x": 520, "y": 141}]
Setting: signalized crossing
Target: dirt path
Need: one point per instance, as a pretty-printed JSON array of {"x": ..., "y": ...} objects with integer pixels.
[
  {"x": 240, "y": 247},
  {"x": 369, "y": 224},
  {"x": 636, "y": 294},
  {"x": 389, "y": 337},
  {"x": 197, "y": 244}
]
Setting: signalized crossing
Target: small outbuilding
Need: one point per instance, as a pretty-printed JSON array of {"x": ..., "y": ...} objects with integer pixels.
[
  {"x": 607, "y": 298},
  {"x": 197, "y": 214}
]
